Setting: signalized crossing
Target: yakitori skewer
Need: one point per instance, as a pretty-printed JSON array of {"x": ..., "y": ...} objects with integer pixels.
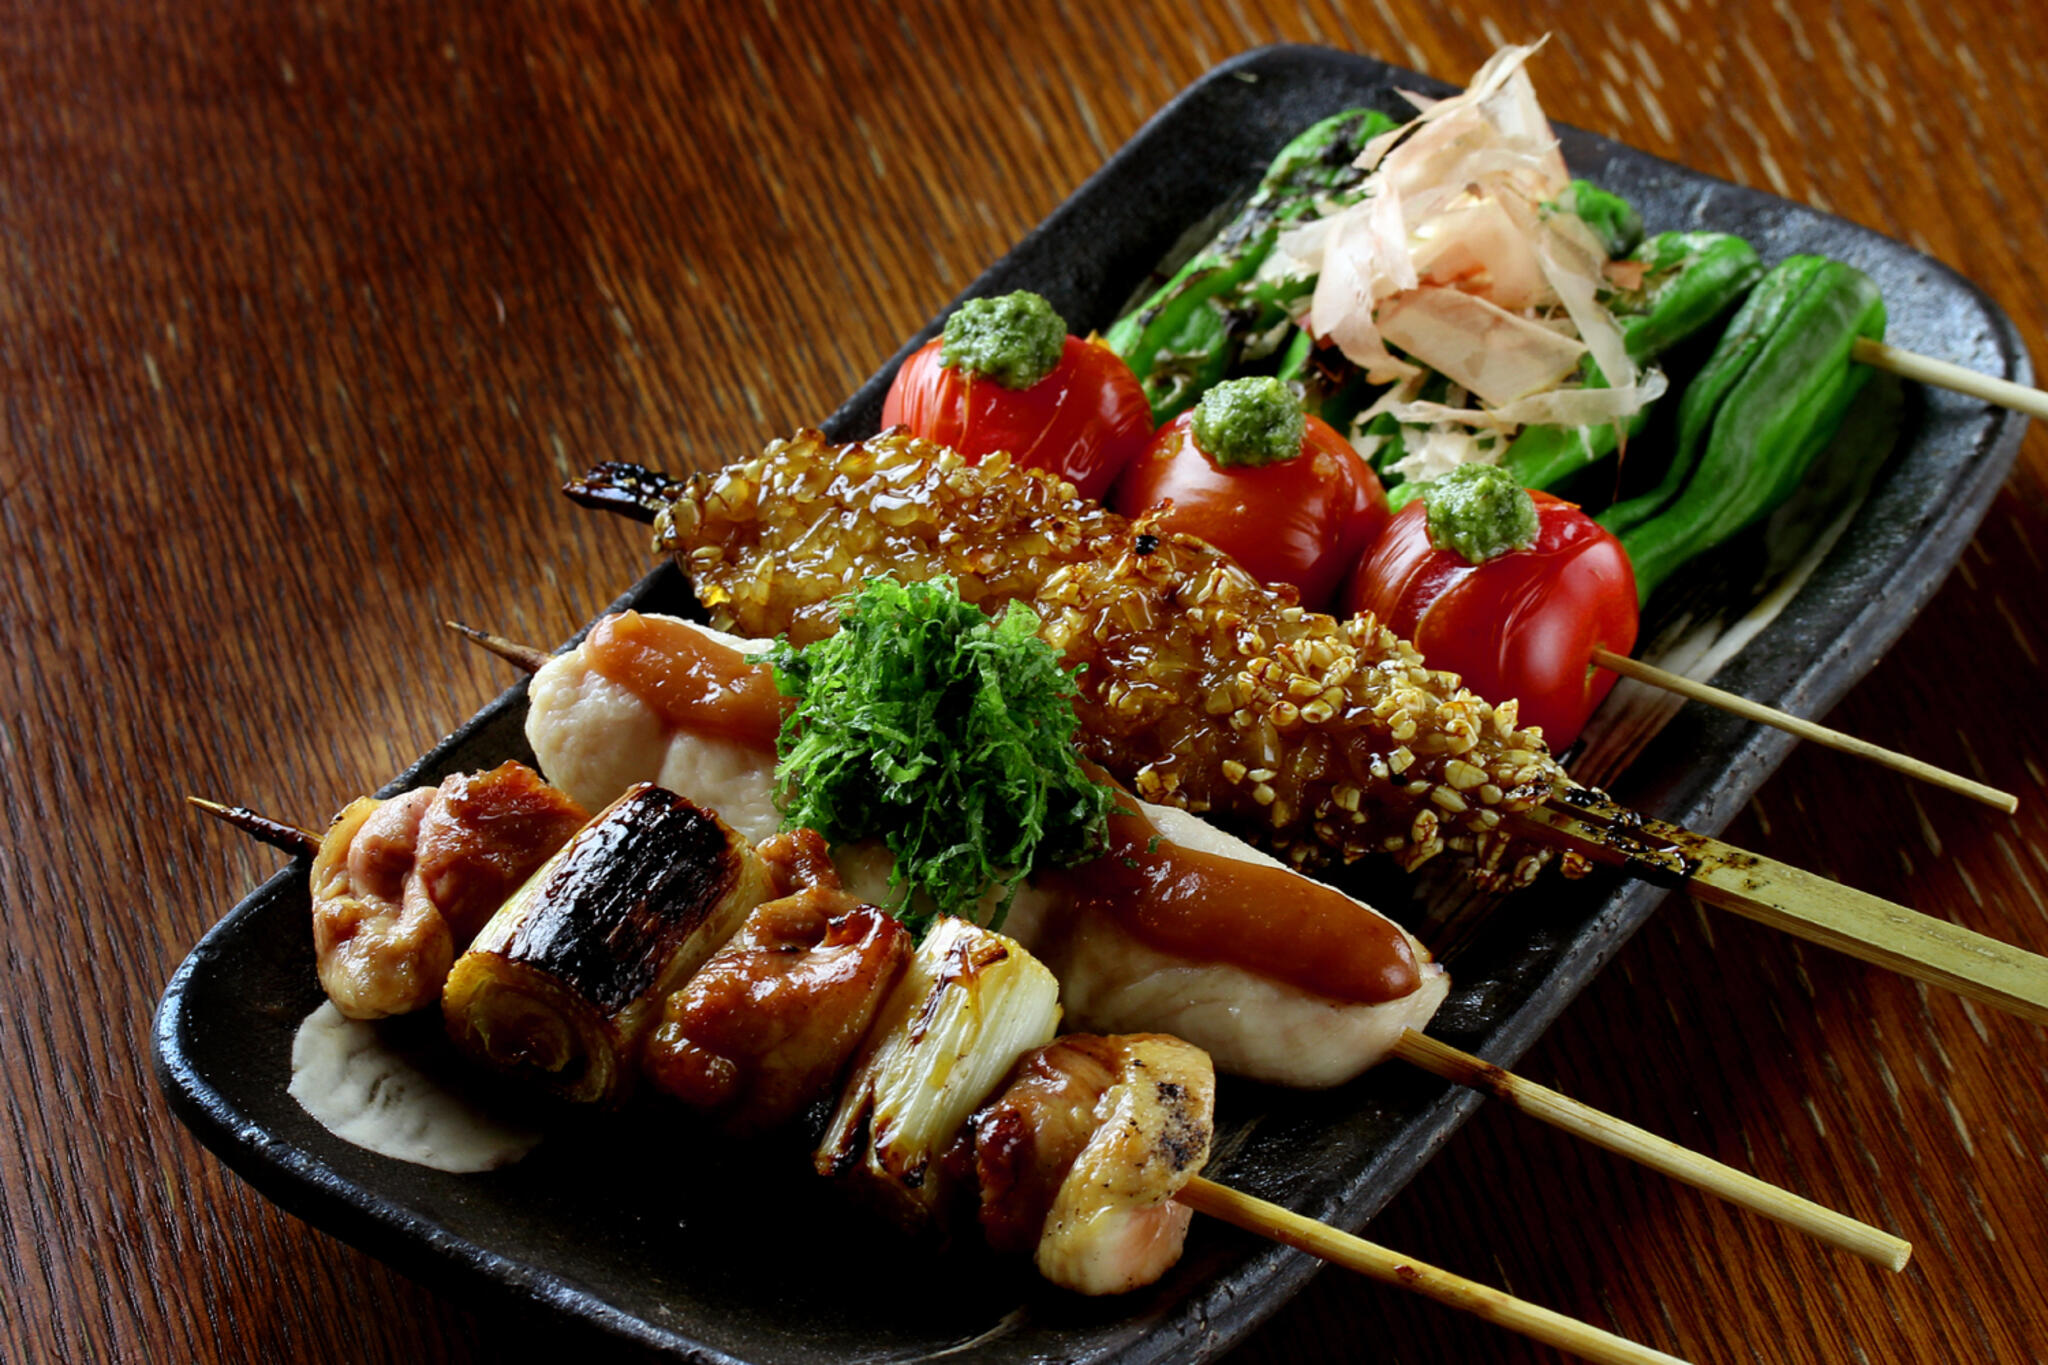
[
  {"x": 1805, "y": 729},
  {"x": 1245, "y": 1211}
]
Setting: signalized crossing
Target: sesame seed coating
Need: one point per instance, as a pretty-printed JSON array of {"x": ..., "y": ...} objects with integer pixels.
[{"x": 1319, "y": 739}]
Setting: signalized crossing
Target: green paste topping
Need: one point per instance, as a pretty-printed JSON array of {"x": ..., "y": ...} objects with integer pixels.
[
  {"x": 1015, "y": 340},
  {"x": 1479, "y": 511},
  {"x": 1250, "y": 422}
]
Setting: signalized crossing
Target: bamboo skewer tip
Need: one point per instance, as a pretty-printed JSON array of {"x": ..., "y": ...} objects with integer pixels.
[
  {"x": 1275, "y": 1223},
  {"x": 1695, "y": 690},
  {"x": 1658, "y": 1153},
  {"x": 1947, "y": 375},
  {"x": 524, "y": 657},
  {"x": 279, "y": 835}
]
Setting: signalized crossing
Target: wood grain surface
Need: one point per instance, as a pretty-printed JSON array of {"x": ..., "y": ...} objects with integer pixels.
[{"x": 305, "y": 306}]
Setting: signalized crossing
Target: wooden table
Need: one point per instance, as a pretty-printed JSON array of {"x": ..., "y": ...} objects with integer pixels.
[{"x": 304, "y": 307}]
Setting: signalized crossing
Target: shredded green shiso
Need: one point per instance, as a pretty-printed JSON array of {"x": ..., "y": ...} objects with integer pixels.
[{"x": 945, "y": 734}]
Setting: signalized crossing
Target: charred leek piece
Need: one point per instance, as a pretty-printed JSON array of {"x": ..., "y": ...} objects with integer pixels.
[
  {"x": 563, "y": 984},
  {"x": 969, "y": 1005}
]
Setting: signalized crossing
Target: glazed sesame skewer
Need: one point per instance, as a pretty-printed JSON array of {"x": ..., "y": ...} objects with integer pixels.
[
  {"x": 635, "y": 492},
  {"x": 1546, "y": 1105}
]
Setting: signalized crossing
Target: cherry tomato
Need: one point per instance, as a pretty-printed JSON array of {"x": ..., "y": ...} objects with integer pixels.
[
  {"x": 1523, "y": 624},
  {"x": 1084, "y": 422},
  {"x": 1302, "y": 521}
]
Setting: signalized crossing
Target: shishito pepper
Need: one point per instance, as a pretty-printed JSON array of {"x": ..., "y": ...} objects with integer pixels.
[
  {"x": 1612, "y": 218},
  {"x": 1212, "y": 313},
  {"x": 1690, "y": 281},
  {"x": 1768, "y": 400}
]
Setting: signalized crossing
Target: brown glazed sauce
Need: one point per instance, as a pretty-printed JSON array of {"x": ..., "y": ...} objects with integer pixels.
[
  {"x": 1263, "y": 919},
  {"x": 692, "y": 681}
]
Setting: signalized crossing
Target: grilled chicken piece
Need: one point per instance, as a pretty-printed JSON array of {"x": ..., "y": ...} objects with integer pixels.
[
  {"x": 768, "y": 1024},
  {"x": 399, "y": 887},
  {"x": 483, "y": 835},
  {"x": 597, "y": 732},
  {"x": 1202, "y": 688},
  {"x": 1080, "y": 1156},
  {"x": 799, "y": 859}
]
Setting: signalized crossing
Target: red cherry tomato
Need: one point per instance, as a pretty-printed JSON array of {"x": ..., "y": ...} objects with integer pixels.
[
  {"x": 1084, "y": 422},
  {"x": 1523, "y": 624},
  {"x": 1302, "y": 521}
]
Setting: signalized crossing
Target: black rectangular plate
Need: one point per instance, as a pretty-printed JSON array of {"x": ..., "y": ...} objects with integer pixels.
[{"x": 708, "y": 1252}]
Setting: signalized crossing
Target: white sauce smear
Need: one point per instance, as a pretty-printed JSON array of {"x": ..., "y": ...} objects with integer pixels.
[{"x": 364, "y": 1093}]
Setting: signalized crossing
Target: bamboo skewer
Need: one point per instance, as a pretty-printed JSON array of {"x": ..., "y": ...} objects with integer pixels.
[
  {"x": 1462, "y": 1068},
  {"x": 1271, "y": 1221},
  {"x": 1659, "y": 1154},
  {"x": 1806, "y": 906},
  {"x": 1805, "y": 729},
  {"x": 1940, "y": 373}
]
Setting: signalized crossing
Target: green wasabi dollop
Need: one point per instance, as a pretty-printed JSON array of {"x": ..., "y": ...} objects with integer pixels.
[
  {"x": 1250, "y": 422},
  {"x": 1015, "y": 339},
  {"x": 1480, "y": 511}
]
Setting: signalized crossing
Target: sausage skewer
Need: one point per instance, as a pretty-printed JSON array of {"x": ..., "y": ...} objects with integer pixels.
[{"x": 1462, "y": 1068}]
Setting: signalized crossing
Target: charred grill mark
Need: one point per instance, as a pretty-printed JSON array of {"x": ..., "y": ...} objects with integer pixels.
[
  {"x": 1658, "y": 853},
  {"x": 1184, "y": 1138},
  {"x": 966, "y": 958},
  {"x": 626, "y": 894}
]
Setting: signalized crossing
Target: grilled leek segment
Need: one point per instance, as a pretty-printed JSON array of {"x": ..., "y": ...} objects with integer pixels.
[
  {"x": 970, "y": 1004},
  {"x": 566, "y": 980}
]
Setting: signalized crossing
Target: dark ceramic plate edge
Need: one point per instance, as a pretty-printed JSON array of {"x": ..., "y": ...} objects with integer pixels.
[{"x": 303, "y": 1184}]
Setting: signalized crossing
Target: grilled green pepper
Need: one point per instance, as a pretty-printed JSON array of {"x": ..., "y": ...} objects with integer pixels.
[
  {"x": 1770, "y": 397},
  {"x": 1212, "y": 314},
  {"x": 1612, "y": 218},
  {"x": 1691, "y": 281}
]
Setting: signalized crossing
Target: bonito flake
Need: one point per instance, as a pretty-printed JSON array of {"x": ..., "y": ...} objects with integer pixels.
[{"x": 1458, "y": 256}]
